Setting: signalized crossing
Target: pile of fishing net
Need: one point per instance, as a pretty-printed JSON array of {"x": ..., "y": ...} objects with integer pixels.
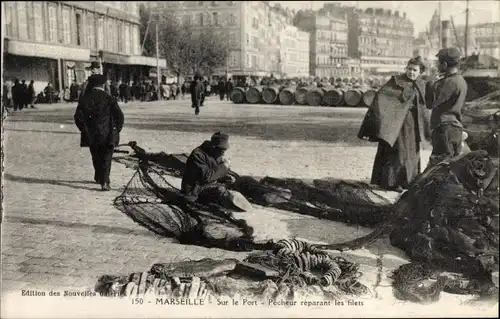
[
  {"x": 447, "y": 221},
  {"x": 293, "y": 270},
  {"x": 482, "y": 128}
]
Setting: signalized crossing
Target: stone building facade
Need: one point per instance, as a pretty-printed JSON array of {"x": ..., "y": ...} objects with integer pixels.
[
  {"x": 256, "y": 32},
  {"x": 55, "y": 41},
  {"x": 328, "y": 42}
]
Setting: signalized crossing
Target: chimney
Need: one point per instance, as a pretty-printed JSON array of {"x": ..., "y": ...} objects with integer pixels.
[{"x": 446, "y": 33}]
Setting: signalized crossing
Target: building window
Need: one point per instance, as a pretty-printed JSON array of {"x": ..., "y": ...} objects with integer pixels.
[
  {"x": 232, "y": 19},
  {"x": 110, "y": 34},
  {"x": 215, "y": 18},
  {"x": 254, "y": 61},
  {"x": 38, "y": 21},
  {"x": 78, "y": 29},
  {"x": 233, "y": 59},
  {"x": 187, "y": 19},
  {"x": 22, "y": 20},
  {"x": 201, "y": 18},
  {"x": 255, "y": 23},
  {"x": 126, "y": 38},
  {"x": 100, "y": 33},
  {"x": 67, "y": 25},
  {"x": 52, "y": 23},
  {"x": 232, "y": 39},
  {"x": 90, "y": 30},
  {"x": 135, "y": 40},
  {"x": 119, "y": 29}
]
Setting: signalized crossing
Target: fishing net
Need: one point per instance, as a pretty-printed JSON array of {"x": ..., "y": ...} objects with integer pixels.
[
  {"x": 447, "y": 220},
  {"x": 292, "y": 271},
  {"x": 150, "y": 200}
]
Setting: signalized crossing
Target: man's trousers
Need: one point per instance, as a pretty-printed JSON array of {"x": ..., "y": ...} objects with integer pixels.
[
  {"x": 101, "y": 159},
  {"x": 446, "y": 143}
]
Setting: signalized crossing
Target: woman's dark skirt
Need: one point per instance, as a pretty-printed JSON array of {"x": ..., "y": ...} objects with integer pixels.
[{"x": 397, "y": 166}]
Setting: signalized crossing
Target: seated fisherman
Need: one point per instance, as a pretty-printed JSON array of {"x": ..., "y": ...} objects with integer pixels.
[{"x": 206, "y": 170}]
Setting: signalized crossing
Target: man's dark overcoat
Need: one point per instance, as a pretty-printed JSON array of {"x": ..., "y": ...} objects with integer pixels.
[
  {"x": 99, "y": 119},
  {"x": 197, "y": 91}
]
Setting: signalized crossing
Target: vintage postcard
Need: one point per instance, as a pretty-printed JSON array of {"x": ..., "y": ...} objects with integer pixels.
[{"x": 256, "y": 159}]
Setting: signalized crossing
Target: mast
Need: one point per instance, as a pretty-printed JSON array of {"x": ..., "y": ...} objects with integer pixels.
[
  {"x": 440, "y": 44},
  {"x": 466, "y": 28}
]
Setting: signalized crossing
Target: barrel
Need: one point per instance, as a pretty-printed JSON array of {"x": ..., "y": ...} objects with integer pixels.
[
  {"x": 314, "y": 96},
  {"x": 254, "y": 94},
  {"x": 287, "y": 95},
  {"x": 353, "y": 97},
  {"x": 300, "y": 94},
  {"x": 237, "y": 95},
  {"x": 270, "y": 94},
  {"x": 368, "y": 96},
  {"x": 333, "y": 96}
]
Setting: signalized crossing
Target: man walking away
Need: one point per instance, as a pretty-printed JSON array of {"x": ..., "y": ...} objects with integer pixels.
[
  {"x": 25, "y": 98},
  {"x": 447, "y": 97},
  {"x": 222, "y": 89},
  {"x": 196, "y": 94},
  {"x": 229, "y": 88},
  {"x": 32, "y": 94},
  {"x": 49, "y": 93},
  {"x": 100, "y": 120}
]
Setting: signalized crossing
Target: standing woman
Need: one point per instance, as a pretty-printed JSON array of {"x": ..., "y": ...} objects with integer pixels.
[{"x": 398, "y": 120}]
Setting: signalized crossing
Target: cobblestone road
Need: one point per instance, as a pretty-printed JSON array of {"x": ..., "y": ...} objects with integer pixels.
[{"x": 59, "y": 231}]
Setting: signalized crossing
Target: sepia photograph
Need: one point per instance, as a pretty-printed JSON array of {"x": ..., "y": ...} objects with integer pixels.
[{"x": 250, "y": 159}]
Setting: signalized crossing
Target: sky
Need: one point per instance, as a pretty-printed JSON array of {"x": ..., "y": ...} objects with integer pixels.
[{"x": 420, "y": 12}]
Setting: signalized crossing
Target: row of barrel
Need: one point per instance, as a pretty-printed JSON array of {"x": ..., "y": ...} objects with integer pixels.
[{"x": 307, "y": 95}]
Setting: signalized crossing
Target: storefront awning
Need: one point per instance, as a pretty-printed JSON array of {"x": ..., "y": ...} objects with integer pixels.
[
  {"x": 146, "y": 60},
  {"x": 113, "y": 58},
  {"x": 45, "y": 50}
]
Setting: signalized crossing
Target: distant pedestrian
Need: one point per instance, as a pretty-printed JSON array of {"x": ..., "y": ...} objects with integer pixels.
[
  {"x": 229, "y": 88},
  {"x": 25, "y": 98},
  {"x": 49, "y": 93},
  {"x": 100, "y": 121},
  {"x": 197, "y": 93},
  {"x": 222, "y": 89},
  {"x": 446, "y": 99}
]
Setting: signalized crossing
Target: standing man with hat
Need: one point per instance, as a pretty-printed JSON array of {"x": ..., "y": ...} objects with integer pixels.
[
  {"x": 446, "y": 99},
  {"x": 95, "y": 70},
  {"x": 205, "y": 166},
  {"x": 100, "y": 120}
]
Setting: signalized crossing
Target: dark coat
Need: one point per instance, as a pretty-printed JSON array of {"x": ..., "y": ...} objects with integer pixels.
[
  {"x": 197, "y": 90},
  {"x": 202, "y": 168},
  {"x": 99, "y": 119},
  {"x": 386, "y": 115}
]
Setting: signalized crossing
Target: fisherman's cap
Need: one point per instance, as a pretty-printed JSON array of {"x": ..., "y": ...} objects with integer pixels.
[
  {"x": 449, "y": 55},
  {"x": 220, "y": 140}
]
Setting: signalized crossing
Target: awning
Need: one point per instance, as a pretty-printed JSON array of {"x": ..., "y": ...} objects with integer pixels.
[
  {"x": 108, "y": 57},
  {"x": 146, "y": 60},
  {"x": 45, "y": 50}
]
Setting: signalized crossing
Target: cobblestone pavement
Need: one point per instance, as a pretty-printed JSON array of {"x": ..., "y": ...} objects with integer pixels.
[{"x": 59, "y": 231}]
